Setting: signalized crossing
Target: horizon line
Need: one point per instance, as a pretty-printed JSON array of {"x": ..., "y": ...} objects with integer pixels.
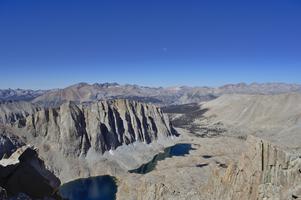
[{"x": 149, "y": 86}]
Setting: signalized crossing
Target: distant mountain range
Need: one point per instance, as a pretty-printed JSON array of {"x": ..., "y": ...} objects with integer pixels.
[
  {"x": 20, "y": 94},
  {"x": 84, "y": 92}
]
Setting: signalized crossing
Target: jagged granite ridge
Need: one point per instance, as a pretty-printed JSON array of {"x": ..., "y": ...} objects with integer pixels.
[
  {"x": 100, "y": 126},
  {"x": 12, "y": 112}
]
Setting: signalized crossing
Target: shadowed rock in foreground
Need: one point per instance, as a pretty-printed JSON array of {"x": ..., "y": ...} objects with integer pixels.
[{"x": 25, "y": 173}]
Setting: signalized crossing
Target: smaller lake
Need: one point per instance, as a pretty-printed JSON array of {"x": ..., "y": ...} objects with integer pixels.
[
  {"x": 93, "y": 188},
  {"x": 176, "y": 150}
]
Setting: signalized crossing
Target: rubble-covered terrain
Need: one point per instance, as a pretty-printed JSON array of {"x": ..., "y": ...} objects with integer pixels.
[{"x": 242, "y": 147}]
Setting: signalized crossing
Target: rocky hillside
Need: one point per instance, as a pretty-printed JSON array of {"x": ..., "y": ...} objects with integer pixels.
[
  {"x": 19, "y": 94},
  {"x": 264, "y": 171},
  {"x": 11, "y": 111},
  {"x": 84, "y": 92},
  {"x": 99, "y": 127},
  {"x": 275, "y": 117}
]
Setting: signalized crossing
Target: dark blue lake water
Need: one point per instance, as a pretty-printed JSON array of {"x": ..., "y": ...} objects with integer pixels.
[
  {"x": 93, "y": 188},
  {"x": 176, "y": 150},
  {"x": 105, "y": 188}
]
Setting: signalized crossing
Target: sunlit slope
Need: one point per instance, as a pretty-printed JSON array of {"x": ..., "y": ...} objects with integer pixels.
[{"x": 277, "y": 117}]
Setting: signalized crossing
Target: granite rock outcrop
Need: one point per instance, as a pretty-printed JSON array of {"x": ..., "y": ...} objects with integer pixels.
[
  {"x": 264, "y": 171},
  {"x": 99, "y": 127}
]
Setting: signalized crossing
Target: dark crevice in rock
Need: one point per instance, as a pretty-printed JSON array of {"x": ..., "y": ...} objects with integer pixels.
[
  {"x": 207, "y": 156},
  {"x": 154, "y": 127},
  {"x": 140, "y": 132},
  {"x": 106, "y": 137},
  {"x": 202, "y": 165},
  {"x": 145, "y": 127},
  {"x": 120, "y": 127},
  {"x": 130, "y": 128}
]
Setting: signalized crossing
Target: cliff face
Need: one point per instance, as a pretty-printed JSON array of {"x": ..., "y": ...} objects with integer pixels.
[
  {"x": 99, "y": 127},
  {"x": 263, "y": 172},
  {"x": 15, "y": 112}
]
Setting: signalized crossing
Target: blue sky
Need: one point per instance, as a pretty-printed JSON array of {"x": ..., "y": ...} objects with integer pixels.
[{"x": 55, "y": 43}]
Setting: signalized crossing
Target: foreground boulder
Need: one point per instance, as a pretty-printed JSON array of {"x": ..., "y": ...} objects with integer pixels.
[{"x": 25, "y": 173}]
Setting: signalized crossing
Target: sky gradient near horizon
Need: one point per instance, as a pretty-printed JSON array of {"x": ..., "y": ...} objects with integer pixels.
[{"x": 50, "y": 44}]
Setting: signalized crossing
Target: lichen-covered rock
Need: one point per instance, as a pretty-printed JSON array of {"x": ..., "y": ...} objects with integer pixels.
[{"x": 264, "y": 171}]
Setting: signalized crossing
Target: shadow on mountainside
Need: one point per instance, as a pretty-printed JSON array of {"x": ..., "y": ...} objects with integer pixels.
[{"x": 185, "y": 116}]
